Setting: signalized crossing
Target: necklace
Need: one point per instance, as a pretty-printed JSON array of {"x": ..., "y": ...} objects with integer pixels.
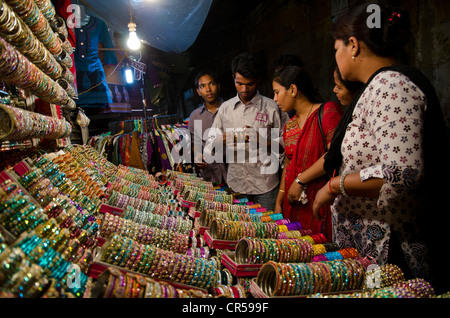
[{"x": 306, "y": 118}]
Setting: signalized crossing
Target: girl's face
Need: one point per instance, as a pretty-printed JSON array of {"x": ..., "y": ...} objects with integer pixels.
[
  {"x": 342, "y": 93},
  {"x": 283, "y": 97}
]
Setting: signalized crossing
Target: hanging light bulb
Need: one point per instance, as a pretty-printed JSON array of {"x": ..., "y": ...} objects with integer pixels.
[{"x": 133, "y": 41}]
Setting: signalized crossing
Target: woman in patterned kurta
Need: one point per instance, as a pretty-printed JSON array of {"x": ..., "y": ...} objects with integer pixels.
[{"x": 379, "y": 149}]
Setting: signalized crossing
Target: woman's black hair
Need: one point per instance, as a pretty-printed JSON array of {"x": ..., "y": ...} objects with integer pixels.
[
  {"x": 352, "y": 86},
  {"x": 298, "y": 76},
  {"x": 387, "y": 39}
]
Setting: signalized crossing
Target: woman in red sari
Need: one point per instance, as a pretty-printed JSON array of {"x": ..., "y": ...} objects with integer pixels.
[{"x": 303, "y": 173}]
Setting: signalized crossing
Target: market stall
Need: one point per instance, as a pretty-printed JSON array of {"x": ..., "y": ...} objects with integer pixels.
[{"x": 76, "y": 224}]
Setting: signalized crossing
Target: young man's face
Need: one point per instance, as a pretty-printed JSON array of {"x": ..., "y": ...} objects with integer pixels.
[
  {"x": 245, "y": 87},
  {"x": 208, "y": 89}
]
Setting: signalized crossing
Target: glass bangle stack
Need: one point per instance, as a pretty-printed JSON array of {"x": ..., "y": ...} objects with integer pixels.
[
  {"x": 159, "y": 237},
  {"x": 53, "y": 234},
  {"x": 47, "y": 244},
  {"x": 234, "y": 230},
  {"x": 113, "y": 283},
  {"x": 33, "y": 56},
  {"x": 19, "y": 124},
  {"x": 159, "y": 263},
  {"x": 387, "y": 281},
  {"x": 293, "y": 279}
]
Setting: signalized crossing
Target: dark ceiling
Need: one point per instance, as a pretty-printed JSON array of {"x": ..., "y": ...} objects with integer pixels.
[
  {"x": 224, "y": 14},
  {"x": 224, "y": 18}
]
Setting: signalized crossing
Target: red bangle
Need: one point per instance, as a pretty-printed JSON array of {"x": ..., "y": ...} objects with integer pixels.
[{"x": 329, "y": 182}]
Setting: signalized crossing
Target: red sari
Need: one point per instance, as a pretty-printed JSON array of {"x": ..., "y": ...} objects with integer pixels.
[{"x": 308, "y": 148}]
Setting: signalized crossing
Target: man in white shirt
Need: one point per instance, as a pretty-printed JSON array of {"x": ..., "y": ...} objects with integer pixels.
[{"x": 249, "y": 126}]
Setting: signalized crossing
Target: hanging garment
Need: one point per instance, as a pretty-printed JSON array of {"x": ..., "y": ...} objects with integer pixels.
[
  {"x": 164, "y": 158},
  {"x": 91, "y": 79},
  {"x": 135, "y": 153}
]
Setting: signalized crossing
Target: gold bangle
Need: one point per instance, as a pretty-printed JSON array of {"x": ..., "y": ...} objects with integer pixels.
[{"x": 281, "y": 190}]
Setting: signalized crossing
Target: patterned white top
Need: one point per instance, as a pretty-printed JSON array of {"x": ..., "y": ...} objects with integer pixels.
[{"x": 384, "y": 140}]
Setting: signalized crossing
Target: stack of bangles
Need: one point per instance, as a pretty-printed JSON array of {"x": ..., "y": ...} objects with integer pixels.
[
  {"x": 202, "y": 252},
  {"x": 321, "y": 254},
  {"x": 224, "y": 291},
  {"x": 22, "y": 124},
  {"x": 383, "y": 276},
  {"x": 29, "y": 12},
  {"x": 148, "y": 184},
  {"x": 19, "y": 212},
  {"x": 16, "y": 32},
  {"x": 131, "y": 189},
  {"x": 225, "y": 277},
  {"x": 180, "y": 180},
  {"x": 173, "y": 223},
  {"x": 126, "y": 173},
  {"x": 117, "y": 199},
  {"x": 413, "y": 288},
  {"x": 193, "y": 194},
  {"x": 203, "y": 204},
  {"x": 143, "y": 234},
  {"x": 286, "y": 226},
  {"x": 112, "y": 283},
  {"x": 76, "y": 174},
  {"x": 208, "y": 215},
  {"x": 158, "y": 263},
  {"x": 154, "y": 208},
  {"x": 82, "y": 226},
  {"x": 258, "y": 251},
  {"x": 189, "y": 192},
  {"x": 68, "y": 213},
  {"x": 234, "y": 230},
  {"x": 55, "y": 252},
  {"x": 46, "y": 174},
  {"x": 122, "y": 200},
  {"x": 16, "y": 69},
  {"x": 273, "y": 217},
  {"x": 100, "y": 169},
  {"x": 20, "y": 277},
  {"x": 302, "y": 233},
  {"x": 240, "y": 200},
  {"x": 290, "y": 279}
]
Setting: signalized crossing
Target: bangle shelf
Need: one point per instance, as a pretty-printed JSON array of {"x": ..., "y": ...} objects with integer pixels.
[
  {"x": 157, "y": 263},
  {"x": 157, "y": 236},
  {"x": 20, "y": 124},
  {"x": 16, "y": 69},
  {"x": 217, "y": 243},
  {"x": 234, "y": 230},
  {"x": 239, "y": 269},
  {"x": 193, "y": 213},
  {"x": 114, "y": 283},
  {"x": 106, "y": 242},
  {"x": 201, "y": 229}
]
